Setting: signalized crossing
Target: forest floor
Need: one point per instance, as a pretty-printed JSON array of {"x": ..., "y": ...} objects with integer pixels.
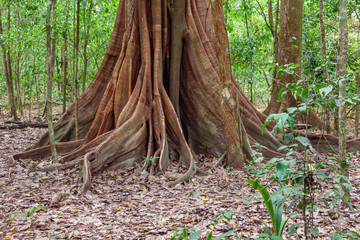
[{"x": 46, "y": 205}]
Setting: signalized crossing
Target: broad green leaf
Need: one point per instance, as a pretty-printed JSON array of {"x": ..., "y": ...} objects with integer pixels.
[{"x": 303, "y": 140}]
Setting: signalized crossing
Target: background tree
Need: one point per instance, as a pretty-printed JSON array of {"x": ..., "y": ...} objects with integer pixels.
[
  {"x": 7, "y": 66},
  {"x": 289, "y": 52},
  {"x": 341, "y": 72},
  {"x": 50, "y": 53}
]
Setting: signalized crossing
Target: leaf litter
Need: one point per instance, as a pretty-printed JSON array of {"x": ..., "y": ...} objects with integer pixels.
[{"x": 124, "y": 205}]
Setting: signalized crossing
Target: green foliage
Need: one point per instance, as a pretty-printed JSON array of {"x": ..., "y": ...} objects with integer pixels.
[
  {"x": 148, "y": 161},
  {"x": 19, "y": 214},
  {"x": 274, "y": 205}
]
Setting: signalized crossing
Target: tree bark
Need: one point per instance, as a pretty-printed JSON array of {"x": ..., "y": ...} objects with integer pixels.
[
  {"x": 289, "y": 51},
  {"x": 177, "y": 31},
  {"x": 324, "y": 61},
  {"x": 340, "y": 74},
  {"x": 76, "y": 66},
  {"x": 50, "y": 54},
  {"x": 17, "y": 62},
  {"x": 64, "y": 53},
  {"x": 87, "y": 31}
]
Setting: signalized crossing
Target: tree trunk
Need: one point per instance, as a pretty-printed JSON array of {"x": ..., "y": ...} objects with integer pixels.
[
  {"x": 64, "y": 52},
  {"x": 17, "y": 62},
  {"x": 289, "y": 51},
  {"x": 7, "y": 73},
  {"x": 50, "y": 63},
  {"x": 340, "y": 74},
  {"x": 76, "y": 66},
  {"x": 226, "y": 10},
  {"x": 87, "y": 31},
  {"x": 127, "y": 112},
  {"x": 324, "y": 61}
]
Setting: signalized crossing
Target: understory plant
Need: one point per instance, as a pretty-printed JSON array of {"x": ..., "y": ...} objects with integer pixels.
[{"x": 294, "y": 178}]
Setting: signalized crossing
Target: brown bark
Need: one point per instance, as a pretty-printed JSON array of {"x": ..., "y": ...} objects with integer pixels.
[
  {"x": 87, "y": 31},
  {"x": 64, "y": 57},
  {"x": 324, "y": 61},
  {"x": 340, "y": 74},
  {"x": 76, "y": 66},
  {"x": 50, "y": 63},
  {"x": 289, "y": 51}
]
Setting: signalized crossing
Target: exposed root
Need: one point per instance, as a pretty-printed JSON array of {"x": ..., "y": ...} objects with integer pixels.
[
  {"x": 86, "y": 173},
  {"x": 43, "y": 152},
  {"x": 56, "y": 167}
]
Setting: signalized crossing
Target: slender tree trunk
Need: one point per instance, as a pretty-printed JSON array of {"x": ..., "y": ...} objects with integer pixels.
[
  {"x": 226, "y": 10},
  {"x": 65, "y": 61},
  {"x": 76, "y": 67},
  {"x": 7, "y": 73},
  {"x": 87, "y": 25},
  {"x": 324, "y": 61},
  {"x": 17, "y": 62},
  {"x": 340, "y": 74},
  {"x": 357, "y": 77},
  {"x": 357, "y": 110},
  {"x": 50, "y": 54},
  {"x": 274, "y": 31}
]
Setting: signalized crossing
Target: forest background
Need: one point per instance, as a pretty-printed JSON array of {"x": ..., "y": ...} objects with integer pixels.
[{"x": 23, "y": 38}]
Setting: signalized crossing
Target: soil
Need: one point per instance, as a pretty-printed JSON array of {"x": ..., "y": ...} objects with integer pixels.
[{"x": 124, "y": 205}]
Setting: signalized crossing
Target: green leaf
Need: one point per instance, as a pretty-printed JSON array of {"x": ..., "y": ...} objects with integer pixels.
[
  {"x": 228, "y": 215},
  {"x": 348, "y": 186},
  {"x": 281, "y": 170},
  {"x": 325, "y": 90},
  {"x": 304, "y": 141},
  {"x": 291, "y": 110},
  {"x": 266, "y": 196},
  {"x": 291, "y": 229},
  {"x": 209, "y": 237},
  {"x": 314, "y": 231},
  {"x": 195, "y": 235},
  {"x": 225, "y": 234},
  {"x": 305, "y": 94}
]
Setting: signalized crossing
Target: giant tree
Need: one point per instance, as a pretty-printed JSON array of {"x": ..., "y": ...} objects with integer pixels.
[{"x": 127, "y": 114}]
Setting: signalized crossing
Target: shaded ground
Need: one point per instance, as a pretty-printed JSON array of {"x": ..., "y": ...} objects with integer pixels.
[{"x": 123, "y": 206}]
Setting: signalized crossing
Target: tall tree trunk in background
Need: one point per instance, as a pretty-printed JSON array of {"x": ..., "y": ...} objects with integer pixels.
[
  {"x": 226, "y": 11},
  {"x": 87, "y": 25},
  {"x": 324, "y": 61},
  {"x": 273, "y": 26},
  {"x": 237, "y": 145},
  {"x": 248, "y": 36},
  {"x": 50, "y": 63},
  {"x": 340, "y": 74},
  {"x": 76, "y": 65},
  {"x": 64, "y": 53},
  {"x": 357, "y": 77},
  {"x": 17, "y": 62},
  {"x": 7, "y": 73},
  {"x": 36, "y": 81},
  {"x": 289, "y": 51}
]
